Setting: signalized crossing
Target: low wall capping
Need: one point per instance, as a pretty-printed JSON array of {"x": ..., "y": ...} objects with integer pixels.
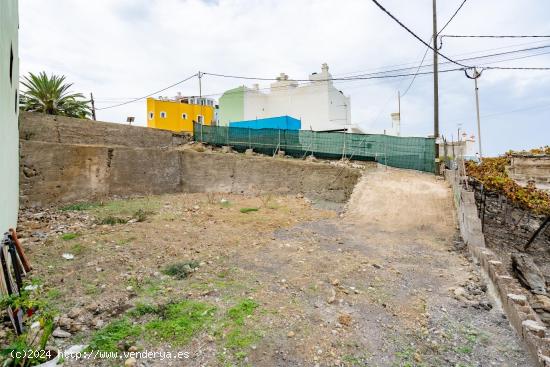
[{"x": 514, "y": 298}]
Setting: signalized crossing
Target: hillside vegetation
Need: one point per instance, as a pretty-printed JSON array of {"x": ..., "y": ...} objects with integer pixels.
[{"x": 491, "y": 172}]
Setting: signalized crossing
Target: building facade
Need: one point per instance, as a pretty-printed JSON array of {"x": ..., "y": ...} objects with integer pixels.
[
  {"x": 9, "y": 112},
  {"x": 317, "y": 104},
  {"x": 179, "y": 113}
]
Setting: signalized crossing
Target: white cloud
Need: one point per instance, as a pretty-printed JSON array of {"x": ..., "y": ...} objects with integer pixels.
[{"x": 128, "y": 48}]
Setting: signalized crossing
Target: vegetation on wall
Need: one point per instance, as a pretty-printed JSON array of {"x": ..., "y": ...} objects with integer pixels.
[
  {"x": 536, "y": 151},
  {"x": 50, "y": 95},
  {"x": 491, "y": 172}
]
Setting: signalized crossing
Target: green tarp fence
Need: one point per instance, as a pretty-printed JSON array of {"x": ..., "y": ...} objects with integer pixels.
[{"x": 401, "y": 152}]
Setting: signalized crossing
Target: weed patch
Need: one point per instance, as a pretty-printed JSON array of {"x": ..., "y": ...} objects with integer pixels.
[
  {"x": 53, "y": 294},
  {"x": 242, "y": 310},
  {"x": 178, "y": 322},
  {"x": 69, "y": 236},
  {"x": 181, "y": 270},
  {"x": 107, "y": 339},
  {"x": 112, "y": 220},
  {"x": 143, "y": 309},
  {"x": 141, "y": 215},
  {"x": 248, "y": 210},
  {"x": 239, "y": 338},
  {"x": 77, "y": 249},
  {"x": 80, "y": 206}
]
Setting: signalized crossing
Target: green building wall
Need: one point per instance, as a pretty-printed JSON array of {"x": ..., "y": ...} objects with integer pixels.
[
  {"x": 9, "y": 112},
  {"x": 232, "y": 106}
]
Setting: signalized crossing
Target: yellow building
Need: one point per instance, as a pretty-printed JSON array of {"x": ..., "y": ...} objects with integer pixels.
[{"x": 179, "y": 113}]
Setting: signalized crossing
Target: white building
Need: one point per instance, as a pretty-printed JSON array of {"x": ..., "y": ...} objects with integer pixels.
[
  {"x": 317, "y": 103},
  {"x": 9, "y": 113}
]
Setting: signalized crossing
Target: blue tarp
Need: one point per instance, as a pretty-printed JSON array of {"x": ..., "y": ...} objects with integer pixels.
[{"x": 280, "y": 122}]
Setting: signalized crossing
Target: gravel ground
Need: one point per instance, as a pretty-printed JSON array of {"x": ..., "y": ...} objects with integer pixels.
[{"x": 383, "y": 283}]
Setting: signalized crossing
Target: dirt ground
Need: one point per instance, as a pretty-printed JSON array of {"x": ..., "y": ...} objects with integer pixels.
[{"x": 381, "y": 282}]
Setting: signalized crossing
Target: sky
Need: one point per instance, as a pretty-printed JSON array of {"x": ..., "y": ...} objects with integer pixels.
[{"x": 123, "y": 49}]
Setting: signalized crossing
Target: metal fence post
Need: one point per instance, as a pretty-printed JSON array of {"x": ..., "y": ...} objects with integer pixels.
[
  {"x": 279, "y": 145},
  {"x": 385, "y": 154},
  {"x": 201, "y": 133},
  {"x": 344, "y": 149}
]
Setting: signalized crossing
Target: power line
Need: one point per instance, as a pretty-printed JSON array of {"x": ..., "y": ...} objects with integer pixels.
[
  {"x": 132, "y": 99},
  {"x": 371, "y": 75},
  {"x": 363, "y": 76},
  {"x": 414, "y": 63},
  {"x": 416, "y": 36},
  {"x": 515, "y": 58},
  {"x": 149, "y": 95},
  {"x": 496, "y": 114},
  {"x": 327, "y": 79},
  {"x": 490, "y": 36},
  {"x": 445, "y": 57},
  {"x": 454, "y": 15},
  {"x": 416, "y": 74},
  {"x": 471, "y": 58},
  {"x": 515, "y": 68},
  {"x": 427, "y": 49}
]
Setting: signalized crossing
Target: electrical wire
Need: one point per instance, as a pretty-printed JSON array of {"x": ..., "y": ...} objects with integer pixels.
[
  {"x": 445, "y": 57},
  {"x": 360, "y": 77},
  {"x": 454, "y": 15},
  {"x": 515, "y": 68},
  {"x": 414, "y": 63},
  {"x": 149, "y": 95},
  {"x": 343, "y": 80},
  {"x": 427, "y": 49},
  {"x": 466, "y": 59},
  {"x": 487, "y": 36},
  {"x": 417, "y": 37}
]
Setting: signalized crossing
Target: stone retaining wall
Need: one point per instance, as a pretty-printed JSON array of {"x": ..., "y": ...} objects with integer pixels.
[
  {"x": 514, "y": 297},
  {"x": 534, "y": 168}
]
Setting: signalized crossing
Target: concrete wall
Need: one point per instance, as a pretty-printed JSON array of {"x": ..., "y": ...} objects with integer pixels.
[
  {"x": 66, "y": 130},
  {"x": 139, "y": 161},
  {"x": 531, "y": 168},
  {"x": 242, "y": 174},
  {"x": 9, "y": 82}
]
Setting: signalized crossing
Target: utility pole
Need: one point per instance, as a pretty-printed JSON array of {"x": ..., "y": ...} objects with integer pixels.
[
  {"x": 93, "y": 106},
  {"x": 476, "y": 76},
  {"x": 436, "y": 88},
  {"x": 200, "y": 96}
]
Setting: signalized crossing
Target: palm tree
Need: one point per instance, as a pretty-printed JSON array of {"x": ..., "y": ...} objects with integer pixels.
[{"x": 50, "y": 94}]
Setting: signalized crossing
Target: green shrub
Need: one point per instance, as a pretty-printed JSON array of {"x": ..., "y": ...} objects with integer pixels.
[
  {"x": 181, "y": 270},
  {"x": 248, "y": 210}
]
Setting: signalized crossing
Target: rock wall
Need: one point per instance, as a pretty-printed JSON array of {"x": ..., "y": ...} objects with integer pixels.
[
  {"x": 67, "y": 130},
  {"x": 517, "y": 302},
  {"x": 509, "y": 227},
  {"x": 67, "y": 160},
  {"x": 531, "y": 168}
]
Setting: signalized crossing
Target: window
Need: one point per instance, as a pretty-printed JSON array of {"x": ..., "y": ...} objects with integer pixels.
[
  {"x": 11, "y": 64},
  {"x": 163, "y": 115},
  {"x": 184, "y": 116},
  {"x": 151, "y": 115},
  {"x": 200, "y": 119}
]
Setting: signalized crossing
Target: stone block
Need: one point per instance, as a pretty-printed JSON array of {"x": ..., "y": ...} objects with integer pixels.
[{"x": 534, "y": 327}]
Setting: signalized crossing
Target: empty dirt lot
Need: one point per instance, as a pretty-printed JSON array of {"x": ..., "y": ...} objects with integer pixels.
[{"x": 381, "y": 283}]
